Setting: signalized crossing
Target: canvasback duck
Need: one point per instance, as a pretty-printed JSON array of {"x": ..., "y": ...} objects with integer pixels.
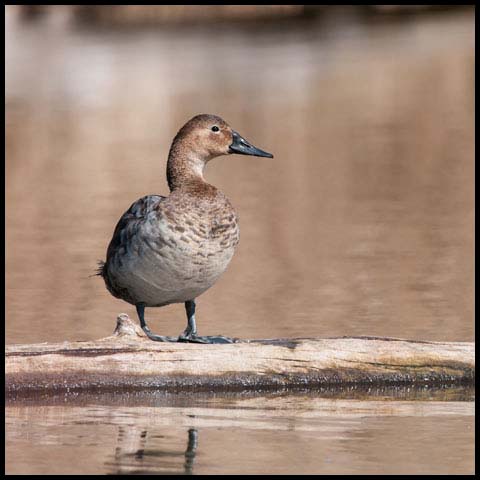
[{"x": 172, "y": 249}]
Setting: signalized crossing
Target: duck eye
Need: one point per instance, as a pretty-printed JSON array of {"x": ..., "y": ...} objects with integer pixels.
[{"x": 215, "y": 128}]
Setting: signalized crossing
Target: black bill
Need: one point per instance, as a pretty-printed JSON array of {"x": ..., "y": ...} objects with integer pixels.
[{"x": 240, "y": 145}]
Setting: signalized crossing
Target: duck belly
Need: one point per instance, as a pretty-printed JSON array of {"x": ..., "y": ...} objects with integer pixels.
[{"x": 173, "y": 270}]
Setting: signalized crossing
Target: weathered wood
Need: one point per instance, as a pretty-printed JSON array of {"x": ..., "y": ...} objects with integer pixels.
[{"x": 128, "y": 359}]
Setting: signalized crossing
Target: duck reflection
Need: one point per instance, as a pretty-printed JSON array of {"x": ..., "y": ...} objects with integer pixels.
[{"x": 137, "y": 453}]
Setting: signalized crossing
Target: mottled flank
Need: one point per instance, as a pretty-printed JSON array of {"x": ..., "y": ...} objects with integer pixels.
[{"x": 172, "y": 249}]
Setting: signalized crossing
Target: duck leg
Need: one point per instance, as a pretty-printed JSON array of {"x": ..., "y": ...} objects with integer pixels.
[
  {"x": 190, "y": 333},
  {"x": 143, "y": 324},
  {"x": 191, "y": 450}
]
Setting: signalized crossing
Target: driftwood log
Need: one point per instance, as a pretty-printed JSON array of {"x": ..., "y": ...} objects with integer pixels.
[{"x": 129, "y": 360}]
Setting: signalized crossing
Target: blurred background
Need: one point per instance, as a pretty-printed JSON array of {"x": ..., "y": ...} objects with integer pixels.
[{"x": 362, "y": 224}]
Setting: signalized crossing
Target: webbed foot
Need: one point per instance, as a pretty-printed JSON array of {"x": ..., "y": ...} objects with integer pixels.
[
  {"x": 158, "y": 338},
  {"x": 194, "y": 338}
]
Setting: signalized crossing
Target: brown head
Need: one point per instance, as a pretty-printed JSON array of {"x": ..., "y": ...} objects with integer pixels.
[{"x": 202, "y": 138}]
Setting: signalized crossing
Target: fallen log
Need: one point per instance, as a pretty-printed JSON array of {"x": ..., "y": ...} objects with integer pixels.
[{"x": 129, "y": 360}]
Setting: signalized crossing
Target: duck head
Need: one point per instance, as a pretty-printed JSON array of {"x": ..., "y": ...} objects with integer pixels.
[
  {"x": 210, "y": 136},
  {"x": 201, "y": 139}
]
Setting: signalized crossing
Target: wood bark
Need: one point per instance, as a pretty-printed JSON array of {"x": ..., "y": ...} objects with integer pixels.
[{"x": 129, "y": 360}]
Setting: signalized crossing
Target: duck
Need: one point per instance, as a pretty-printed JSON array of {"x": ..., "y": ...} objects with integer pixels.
[{"x": 171, "y": 249}]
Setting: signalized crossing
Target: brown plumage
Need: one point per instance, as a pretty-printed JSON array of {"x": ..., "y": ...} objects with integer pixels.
[{"x": 172, "y": 249}]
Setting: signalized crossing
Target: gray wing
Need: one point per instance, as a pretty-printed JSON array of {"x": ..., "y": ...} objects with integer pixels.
[{"x": 128, "y": 225}]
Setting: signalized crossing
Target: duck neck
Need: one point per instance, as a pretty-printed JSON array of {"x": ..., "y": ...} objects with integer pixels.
[{"x": 184, "y": 168}]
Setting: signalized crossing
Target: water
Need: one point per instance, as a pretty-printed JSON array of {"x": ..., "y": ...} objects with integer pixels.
[
  {"x": 384, "y": 431},
  {"x": 361, "y": 225}
]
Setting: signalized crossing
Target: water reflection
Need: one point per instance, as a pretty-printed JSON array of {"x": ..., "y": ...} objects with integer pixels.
[
  {"x": 154, "y": 432},
  {"x": 158, "y": 398},
  {"x": 137, "y": 452}
]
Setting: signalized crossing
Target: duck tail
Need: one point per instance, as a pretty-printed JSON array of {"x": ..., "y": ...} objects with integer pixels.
[{"x": 100, "y": 271}]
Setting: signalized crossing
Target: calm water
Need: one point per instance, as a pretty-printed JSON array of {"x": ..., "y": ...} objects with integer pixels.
[
  {"x": 361, "y": 225},
  {"x": 388, "y": 432}
]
